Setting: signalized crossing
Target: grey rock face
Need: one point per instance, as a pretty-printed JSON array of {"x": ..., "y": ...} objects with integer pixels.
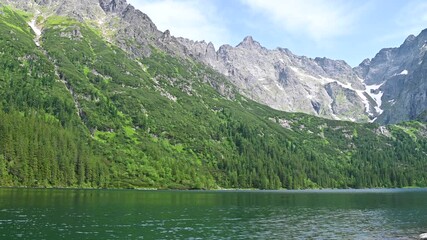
[
  {"x": 345, "y": 101},
  {"x": 338, "y": 69},
  {"x": 116, "y": 6},
  {"x": 81, "y": 10},
  {"x": 78, "y": 9},
  {"x": 285, "y": 81},
  {"x": 402, "y": 75},
  {"x": 137, "y": 27},
  {"x": 389, "y": 88}
]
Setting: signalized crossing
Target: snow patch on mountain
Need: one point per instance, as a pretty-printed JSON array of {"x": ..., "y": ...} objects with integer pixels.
[
  {"x": 404, "y": 72},
  {"x": 347, "y": 85},
  {"x": 392, "y": 102},
  {"x": 365, "y": 101},
  {"x": 36, "y": 29},
  {"x": 374, "y": 93}
]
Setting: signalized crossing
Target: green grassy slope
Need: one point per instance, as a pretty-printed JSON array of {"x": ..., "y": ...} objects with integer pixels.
[{"x": 79, "y": 112}]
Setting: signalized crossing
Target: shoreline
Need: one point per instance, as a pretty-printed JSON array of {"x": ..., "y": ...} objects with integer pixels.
[{"x": 312, "y": 190}]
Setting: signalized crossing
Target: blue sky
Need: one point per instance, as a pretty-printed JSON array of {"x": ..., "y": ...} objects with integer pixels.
[{"x": 351, "y": 30}]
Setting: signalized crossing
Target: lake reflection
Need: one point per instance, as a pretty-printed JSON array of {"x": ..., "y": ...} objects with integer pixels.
[{"x": 131, "y": 214}]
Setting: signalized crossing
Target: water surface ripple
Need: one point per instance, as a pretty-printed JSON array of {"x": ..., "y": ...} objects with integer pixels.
[{"x": 128, "y": 214}]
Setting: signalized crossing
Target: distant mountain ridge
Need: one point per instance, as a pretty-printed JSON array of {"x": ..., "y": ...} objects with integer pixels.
[
  {"x": 390, "y": 88},
  {"x": 288, "y": 82},
  {"x": 278, "y": 78}
]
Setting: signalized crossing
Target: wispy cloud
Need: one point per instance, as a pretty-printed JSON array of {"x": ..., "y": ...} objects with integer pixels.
[
  {"x": 316, "y": 19},
  {"x": 193, "y": 19}
]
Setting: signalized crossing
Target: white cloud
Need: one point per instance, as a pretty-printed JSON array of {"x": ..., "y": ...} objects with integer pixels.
[
  {"x": 316, "y": 19},
  {"x": 193, "y": 19}
]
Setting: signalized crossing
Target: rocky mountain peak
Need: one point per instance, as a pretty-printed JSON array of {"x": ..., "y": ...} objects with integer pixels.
[
  {"x": 166, "y": 37},
  {"x": 285, "y": 81},
  {"x": 423, "y": 33},
  {"x": 249, "y": 43},
  {"x": 210, "y": 50},
  {"x": 363, "y": 68},
  {"x": 211, "y": 46},
  {"x": 409, "y": 39},
  {"x": 366, "y": 62},
  {"x": 398, "y": 79},
  {"x": 224, "y": 48}
]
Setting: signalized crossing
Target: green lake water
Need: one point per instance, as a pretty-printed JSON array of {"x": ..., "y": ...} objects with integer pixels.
[{"x": 132, "y": 214}]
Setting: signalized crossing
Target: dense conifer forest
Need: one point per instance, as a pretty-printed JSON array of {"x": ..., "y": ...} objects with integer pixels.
[{"x": 80, "y": 112}]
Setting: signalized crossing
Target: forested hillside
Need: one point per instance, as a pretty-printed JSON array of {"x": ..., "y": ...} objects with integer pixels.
[{"x": 78, "y": 111}]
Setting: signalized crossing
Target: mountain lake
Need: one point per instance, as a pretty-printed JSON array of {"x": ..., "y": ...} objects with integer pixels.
[{"x": 140, "y": 214}]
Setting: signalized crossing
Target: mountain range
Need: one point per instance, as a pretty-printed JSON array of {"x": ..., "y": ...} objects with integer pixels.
[
  {"x": 94, "y": 95},
  {"x": 388, "y": 88}
]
